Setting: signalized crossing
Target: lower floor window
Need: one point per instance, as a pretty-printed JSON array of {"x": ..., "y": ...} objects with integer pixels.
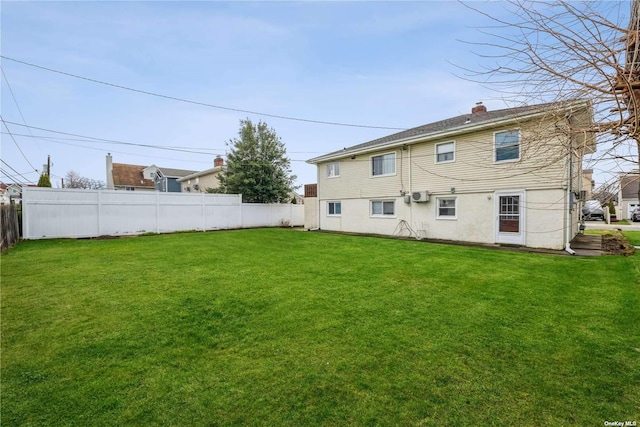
[
  {"x": 334, "y": 208},
  {"x": 383, "y": 207},
  {"x": 447, "y": 207}
]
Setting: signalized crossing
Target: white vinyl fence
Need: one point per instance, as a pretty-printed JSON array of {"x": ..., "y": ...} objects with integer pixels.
[{"x": 61, "y": 212}]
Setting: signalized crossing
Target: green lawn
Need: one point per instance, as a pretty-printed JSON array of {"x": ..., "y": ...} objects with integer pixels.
[
  {"x": 633, "y": 237},
  {"x": 281, "y": 327}
]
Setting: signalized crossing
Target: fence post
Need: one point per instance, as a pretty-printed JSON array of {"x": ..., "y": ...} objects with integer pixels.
[
  {"x": 157, "y": 212},
  {"x": 204, "y": 213},
  {"x": 25, "y": 223},
  {"x": 240, "y": 210},
  {"x": 99, "y": 212}
]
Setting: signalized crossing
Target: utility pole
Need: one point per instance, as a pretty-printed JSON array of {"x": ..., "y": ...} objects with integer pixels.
[{"x": 49, "y": 166}]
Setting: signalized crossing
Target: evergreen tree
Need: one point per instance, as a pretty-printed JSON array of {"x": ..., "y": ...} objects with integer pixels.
[
  {"x": 257, "y": 166},
  {"x": 44, "y": 181}
]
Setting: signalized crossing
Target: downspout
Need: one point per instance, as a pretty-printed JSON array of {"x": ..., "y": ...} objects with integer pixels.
[
  {"x": 318, "y": 194},
  {"x": 410, "y": 187},
  {"x": 567, "y": 246}
]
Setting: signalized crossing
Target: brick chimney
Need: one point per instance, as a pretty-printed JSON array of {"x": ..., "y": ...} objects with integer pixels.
[
  {"x": 479, "y": 108},
  {"x": 218, "y": 161}
]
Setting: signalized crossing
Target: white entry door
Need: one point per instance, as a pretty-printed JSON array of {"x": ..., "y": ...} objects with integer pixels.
[{"x": 509, "y": 208}]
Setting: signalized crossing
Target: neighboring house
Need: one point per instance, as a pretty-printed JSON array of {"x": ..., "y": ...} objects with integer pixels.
[
  {"x": 9, "y": 192},
  {"x": 508, "y": 177},
  {"x": 199, "y": 181},
  {"x": 299, "y": 200},
  {"x": 165, "y": 179},
  {"x": 588, "y": 184},
  {"x": 4, "y": 197},
  {"x": 628, "y": 194},
  {"x": 122, "y": 176}
]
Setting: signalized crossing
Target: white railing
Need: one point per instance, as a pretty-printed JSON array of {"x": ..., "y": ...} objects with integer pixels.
[{"x": 56, "y": 212}]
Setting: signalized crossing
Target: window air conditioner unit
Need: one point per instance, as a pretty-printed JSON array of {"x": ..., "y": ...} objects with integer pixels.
[
  {"x": 420, "y": 196},
  {"x": 196, "y": 187}
]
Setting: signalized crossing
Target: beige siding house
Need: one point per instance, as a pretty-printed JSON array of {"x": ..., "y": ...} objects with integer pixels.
[
  {"x": 510, "y": 176},
  {"x": 198, "y": 182}
]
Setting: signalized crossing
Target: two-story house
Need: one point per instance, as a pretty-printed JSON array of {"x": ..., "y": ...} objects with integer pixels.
[
  {"x": 199, "y": 182},
  {"x": 509, "y": 176}
]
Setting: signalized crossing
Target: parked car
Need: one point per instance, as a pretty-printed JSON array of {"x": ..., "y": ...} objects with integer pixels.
[
  {"x": 635, "y": 215},
  {"x": 592, "y": 210}
]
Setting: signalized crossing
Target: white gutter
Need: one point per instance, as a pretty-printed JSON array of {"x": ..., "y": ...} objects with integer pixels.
[
  {"x": 318, "y": 196},
  {"x": 410, "y": 187},
  {"x": 567, "y": 246}
]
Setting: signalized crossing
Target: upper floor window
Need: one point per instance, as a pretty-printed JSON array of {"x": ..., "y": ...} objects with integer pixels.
[
  {"x": 384, "y": 164},
  {"x": 507, "y": 145},
  {"x": 445, "y": 152},
  {"x": 333, "y": 170}
]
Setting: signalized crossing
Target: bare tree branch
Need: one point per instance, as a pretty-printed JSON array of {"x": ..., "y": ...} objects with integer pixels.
[{"x": 558, "y": 51}]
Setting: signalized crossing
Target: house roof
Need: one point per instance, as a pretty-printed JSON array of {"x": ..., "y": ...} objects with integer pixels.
[
  {"x": 211, "y": 171},
  {"x": 175, "y": 173},
  {"x": 456, "y": 125},
  {"x": 125, "y": 175},
  {"x": 629, "y": 186}
]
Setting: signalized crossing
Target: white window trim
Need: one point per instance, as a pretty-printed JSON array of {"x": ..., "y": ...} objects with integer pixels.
[
  {"x": 436, "y": 152},
  {"x": 395, "y": 169},
  {"x": 327, "y": 170},
  {"x": 372, "y": 215},
  {"x": 455, "y": 207},
  {"x": 495, "y": 146},
  {"x": 334, "y": 214}
]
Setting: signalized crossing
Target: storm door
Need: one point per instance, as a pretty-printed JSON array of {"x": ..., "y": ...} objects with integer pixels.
[{"x": 510, "y": 217}]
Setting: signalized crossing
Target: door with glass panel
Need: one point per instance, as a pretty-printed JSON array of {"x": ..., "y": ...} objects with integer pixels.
[{"x": 510, "y": 212}]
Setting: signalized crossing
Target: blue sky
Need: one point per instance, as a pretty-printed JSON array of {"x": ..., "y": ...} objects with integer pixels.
[{"x": 382, "y": 64}]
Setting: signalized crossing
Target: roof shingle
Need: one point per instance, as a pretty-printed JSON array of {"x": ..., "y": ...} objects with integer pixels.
[{"x": 125, "y": 175}]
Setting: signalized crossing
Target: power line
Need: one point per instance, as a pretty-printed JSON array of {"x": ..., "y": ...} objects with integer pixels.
[
  {"x": 107, "y": 141},
  {"x": 11, "y": 177},
  {"x": 15, "y": 142},
  {"x": 15, "y": 171},
  {"x": 14, "y": 97},
  {"x": 112, "y": 141},
  {"x": 56, "y": 141},
  {"x": 88, "y": 139},
  {"x": 174, "y": 98}
]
